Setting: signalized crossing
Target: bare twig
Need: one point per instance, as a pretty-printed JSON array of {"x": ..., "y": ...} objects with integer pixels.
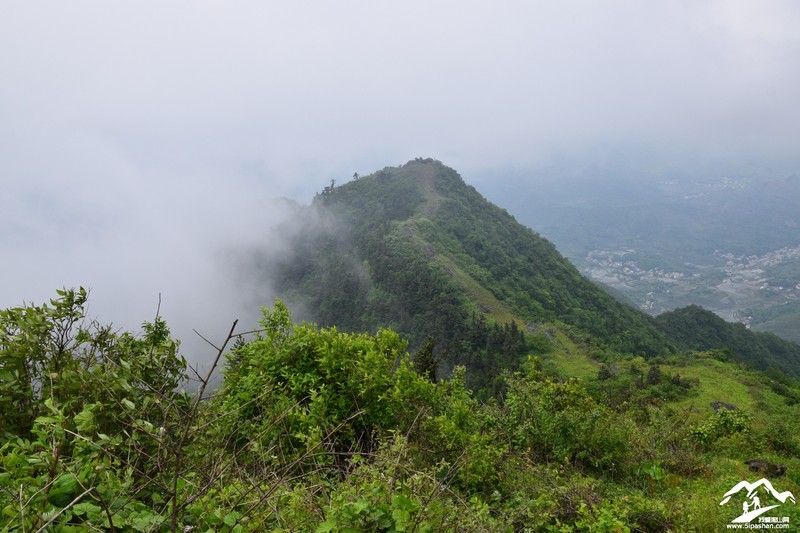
[
  {"x": 158, "y": 309},
  {"x": 208, "y": 341},
  {"x": 21, "y": 510},
  {"x": 242, "y": 334},
  {"x": 70, "y": 504},
  {"x": 288, "y": 468},
  {"x": 189, "y": 422},
  {"x": 205, "y": 382}
]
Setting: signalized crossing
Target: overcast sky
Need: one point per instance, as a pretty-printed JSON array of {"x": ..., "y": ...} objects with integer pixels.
[{"x": 137, "y": 138}]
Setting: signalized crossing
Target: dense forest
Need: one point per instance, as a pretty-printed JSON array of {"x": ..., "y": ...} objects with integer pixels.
[{"x": 454, "y": 373}]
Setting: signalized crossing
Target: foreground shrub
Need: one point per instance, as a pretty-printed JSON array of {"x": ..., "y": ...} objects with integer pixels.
[
  {"x": 314, "y": 396},
  {"x": 90, "y": 419}
]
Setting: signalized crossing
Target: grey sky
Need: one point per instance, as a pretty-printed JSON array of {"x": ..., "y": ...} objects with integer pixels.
[{"x": 138, "y": 137}]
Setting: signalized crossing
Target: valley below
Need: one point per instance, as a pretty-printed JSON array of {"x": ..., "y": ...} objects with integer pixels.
[
  {"x": 663, "y": 242},
  {"x": 733, "y": 286}
]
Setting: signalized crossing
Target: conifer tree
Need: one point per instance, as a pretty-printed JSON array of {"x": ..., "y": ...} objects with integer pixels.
[{"x": 424, "y": 359}]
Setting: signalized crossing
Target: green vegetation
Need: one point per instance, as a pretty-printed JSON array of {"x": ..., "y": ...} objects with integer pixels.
[
  {"x": 318, "y": 430},
  {"x": 529, "y": 400},
  {"x": 782, "y": 320},
  {"x": 416, "y": 249},
  {"x": 694, "y": 328}
]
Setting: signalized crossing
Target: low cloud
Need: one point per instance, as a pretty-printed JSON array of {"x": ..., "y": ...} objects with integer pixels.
[{"x": 138, "y": 143}]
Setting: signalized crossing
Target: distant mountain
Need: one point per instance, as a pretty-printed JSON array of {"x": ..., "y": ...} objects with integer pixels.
[
  {"x": 694, "y": 328},
  {"x": 673, "y": 216},
  {"x": 668, "y": 239},
  {"x": 416, "y": 249},
  {"x": 782, "y": 320}
]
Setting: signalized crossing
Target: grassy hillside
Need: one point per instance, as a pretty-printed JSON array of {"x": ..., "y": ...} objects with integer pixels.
[{"x": 555, "y": 407}]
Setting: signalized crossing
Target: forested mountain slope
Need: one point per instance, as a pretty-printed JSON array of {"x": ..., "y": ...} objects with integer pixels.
[
  {"x": 416, "y": 249},
  {"x": 694, "y": 328}
]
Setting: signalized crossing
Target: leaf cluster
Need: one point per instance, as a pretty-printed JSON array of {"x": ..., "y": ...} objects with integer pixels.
[{"x": 315, "y": 429}]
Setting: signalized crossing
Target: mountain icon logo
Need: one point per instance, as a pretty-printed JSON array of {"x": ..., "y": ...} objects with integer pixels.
[{"x": 751, "y": 506}]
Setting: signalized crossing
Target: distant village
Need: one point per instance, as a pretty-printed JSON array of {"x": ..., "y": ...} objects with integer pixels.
[{"x": 730, "y": 286}]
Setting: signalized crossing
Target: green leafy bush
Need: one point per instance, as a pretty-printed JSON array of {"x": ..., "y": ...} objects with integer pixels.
[
  {"x": 88, "y": 418},
  {"x": 299, "y": 390},
  {"x": 319, "y": 430},
  {"x": 723, "y": 423},
  {"x": 559, "y": 421}
]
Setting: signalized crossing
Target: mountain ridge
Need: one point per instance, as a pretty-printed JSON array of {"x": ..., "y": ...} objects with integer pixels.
[{"x": 417, "y": 249}]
